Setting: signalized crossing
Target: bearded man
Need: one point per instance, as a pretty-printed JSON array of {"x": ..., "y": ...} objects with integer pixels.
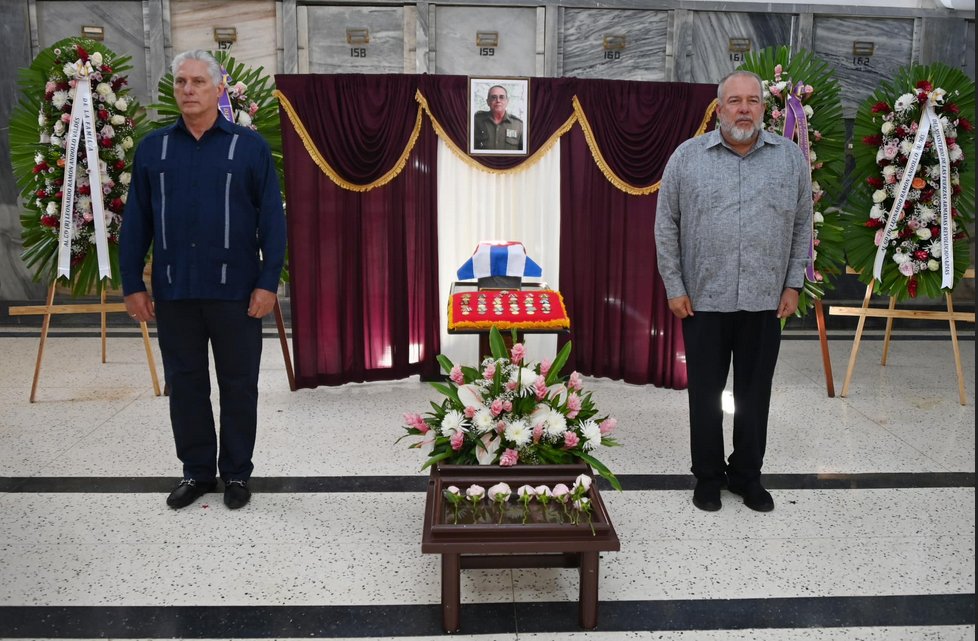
[{"x": 732, "y": 233}]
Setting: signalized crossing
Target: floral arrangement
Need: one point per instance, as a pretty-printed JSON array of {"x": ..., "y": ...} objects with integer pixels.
[
  {"x": 886, "y": 129},
  {"x": 252, "y": 99},
  {"x": 812, "y": 83},
  {"x": 570, "y": 504},
  {"x": 511, "y": 411},
  {"x": 39, "y": 131}
]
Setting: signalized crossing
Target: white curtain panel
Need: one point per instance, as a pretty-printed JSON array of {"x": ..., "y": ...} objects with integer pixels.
[{"x": 474, "y": 206}]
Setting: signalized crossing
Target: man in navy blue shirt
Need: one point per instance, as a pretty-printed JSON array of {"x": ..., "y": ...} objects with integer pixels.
[{"x": 205, "y": 195}]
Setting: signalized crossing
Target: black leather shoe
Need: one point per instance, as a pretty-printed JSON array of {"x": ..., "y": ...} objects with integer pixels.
[
  {"x": 189, "y": 491},
  {"x": 236, "y": 494},
  {"x": 706, "y": 496},
  {"x": 755, "y": 496}
]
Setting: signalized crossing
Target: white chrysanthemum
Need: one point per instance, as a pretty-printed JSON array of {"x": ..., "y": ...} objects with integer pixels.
[
  {"x": 935, "y": 249},
  {"x": 125, "y": 177},
  {"x": 906, "y": 147},
  {"x": 955, "y": 153},
  {"x": 52, "y": 209},
  {"x": 453, "y": 422},
  {"x": 525, "y": 375},
  {"x": 69, "y": 69},
  {"x": 518, "y": 432},
  {"x": 83, "y": 204},
  {"x": 887, "y": 127},
  {"x": 905, "y": 102},
  {"x": 926, "y": 214},
  {"x": 555, "y": 424},
  {"x": 127, "y": 143},
  {"x": 591, "y": 433},
  {"x": 483, "y": 421},
  {"x": 59, "y": 98}
]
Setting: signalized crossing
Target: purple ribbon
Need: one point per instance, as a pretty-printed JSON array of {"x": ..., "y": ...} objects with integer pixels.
[
  {"x": 224, "y": 102},
  {"x": 796, "y": 126}
]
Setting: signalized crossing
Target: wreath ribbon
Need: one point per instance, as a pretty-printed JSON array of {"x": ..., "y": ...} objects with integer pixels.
[
  {"x": 929, "y": 122},
  {"x": 796, "y": 126},
  {"x": 82, "y": 124}
]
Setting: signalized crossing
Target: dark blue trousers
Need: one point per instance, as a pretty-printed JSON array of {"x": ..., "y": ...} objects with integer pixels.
[
  {"x": 185, "y": 329},
  {"x": 753, "y": 340}
]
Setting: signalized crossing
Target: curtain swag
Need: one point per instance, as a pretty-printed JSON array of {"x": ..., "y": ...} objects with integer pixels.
[
  {"x": 577, "y": 116},
  {"x": 320, "y": 161}
]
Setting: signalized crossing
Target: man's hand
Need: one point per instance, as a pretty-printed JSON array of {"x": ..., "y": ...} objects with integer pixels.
[
  {"x": 140, "y": 307},
  {"x": 681, "y": 306},
  {"x": 789, "y": 302},
  {"x": 262, "y": 301}
]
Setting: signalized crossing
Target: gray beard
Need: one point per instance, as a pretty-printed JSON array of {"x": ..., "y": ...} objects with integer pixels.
[{"x": 739, "y": 135}]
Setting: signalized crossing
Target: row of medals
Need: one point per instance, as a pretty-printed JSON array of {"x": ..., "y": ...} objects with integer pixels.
[{"x": 482, "y": 309}]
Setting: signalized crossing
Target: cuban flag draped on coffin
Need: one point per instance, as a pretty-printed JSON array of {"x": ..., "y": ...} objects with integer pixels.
[{"x": 499, "y": 258}]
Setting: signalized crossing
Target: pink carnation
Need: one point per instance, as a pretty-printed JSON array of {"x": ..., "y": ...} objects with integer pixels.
[
  {"x": 509, "y": 457},
  {"x": 608, "y": 425},
  {"x": 496, "y": 408},
  {"x": 489, "y": 372},
  {"x": 570, "y": 439},
  {"x": 537, "y": 432},
  {"x": 456, "y": 375},
  {"x": 545, "y": 367},
  {"x": 573, "y": 405},
  {"x": 507, "y": 406},
  {"x": 469, "y": 412},
  {"x": 457, "y": 439},
  {"x": 518, "y": 353},
  {"x": 575, "y": 382}
]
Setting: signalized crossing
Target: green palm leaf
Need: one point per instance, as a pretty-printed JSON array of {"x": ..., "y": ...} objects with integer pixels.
[{"x": 828, "y": 146}]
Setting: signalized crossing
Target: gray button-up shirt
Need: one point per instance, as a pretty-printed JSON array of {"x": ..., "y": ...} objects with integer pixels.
[{"x": 731, "y": 231}]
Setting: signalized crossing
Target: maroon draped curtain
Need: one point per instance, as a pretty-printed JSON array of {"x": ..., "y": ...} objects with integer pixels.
[
  {"x": 620, "y": 322},
  {"x": 364, "y": 264}
]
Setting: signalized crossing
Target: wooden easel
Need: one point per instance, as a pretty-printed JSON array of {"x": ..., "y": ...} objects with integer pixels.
[
  {"x": 104, "y": 308},
  {"x": 824, "y": 342},
  {"x": 101, "y": 308},
  {"x": 890, "y": 313}
]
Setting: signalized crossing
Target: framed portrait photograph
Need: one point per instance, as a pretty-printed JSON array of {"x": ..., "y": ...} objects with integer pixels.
[{"x": 498, "y": 116}]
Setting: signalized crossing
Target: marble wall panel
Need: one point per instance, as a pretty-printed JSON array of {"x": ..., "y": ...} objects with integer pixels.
[
  {"x": 123, "y": 24},
  {"x": 192, "y": 25},
  {"x": 453, "y": 41},
  {"x": 644, "y": 32},
  {"x": 945, "y": 40},
  {"x": 858, "y": 76},
  {"x": 330, "y": 52},
  {"x": 15, "y": 48},
  {"x": 711, "y": 34}
]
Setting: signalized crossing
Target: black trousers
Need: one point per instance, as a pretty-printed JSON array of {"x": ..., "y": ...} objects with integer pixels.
[
  {"x": 185, "y": 329},
  {"x": 712, "y": 338}
]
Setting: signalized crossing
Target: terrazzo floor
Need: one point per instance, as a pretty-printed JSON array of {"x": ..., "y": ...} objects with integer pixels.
[{"x": 872, "y": 537}]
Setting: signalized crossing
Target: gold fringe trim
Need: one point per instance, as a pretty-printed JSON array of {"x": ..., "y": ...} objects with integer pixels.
[
  {"x": 320, "y": 161},
  {"x": 468, "y": 160},
  {"x": 599, "y": 160}
]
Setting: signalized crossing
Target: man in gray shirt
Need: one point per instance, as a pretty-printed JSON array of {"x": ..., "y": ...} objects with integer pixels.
[{"x": 732, "y": 233}]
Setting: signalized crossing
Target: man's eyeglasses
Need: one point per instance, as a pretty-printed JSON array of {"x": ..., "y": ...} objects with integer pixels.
[{"x": 496, "y": 96}]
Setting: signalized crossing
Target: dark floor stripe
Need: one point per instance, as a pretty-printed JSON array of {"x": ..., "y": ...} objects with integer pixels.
[
  {"x": 490, "y": 618},
  {"x": 339, "y": 484}
]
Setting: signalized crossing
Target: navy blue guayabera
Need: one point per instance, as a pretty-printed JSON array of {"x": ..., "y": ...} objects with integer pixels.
[{"x": 212, "y": 210}]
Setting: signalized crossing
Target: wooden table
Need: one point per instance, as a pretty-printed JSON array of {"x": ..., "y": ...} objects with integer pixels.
[{"x": 514, "y": 544}]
